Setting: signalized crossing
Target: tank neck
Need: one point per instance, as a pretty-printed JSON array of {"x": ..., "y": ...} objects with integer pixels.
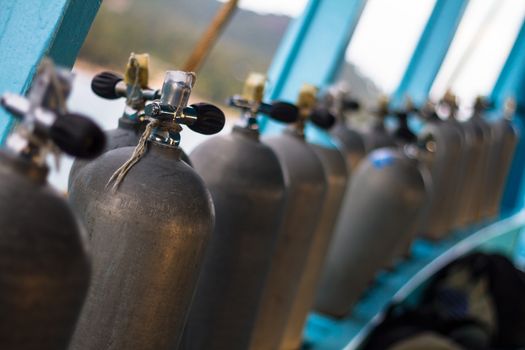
[
  {"x": 127, "y": 123},
  {"x": 36, "y": 173},
  {"x": 294, "y": 133},
  {"x": 164, "y": 151},
  {"x": 246, "y": 132}
]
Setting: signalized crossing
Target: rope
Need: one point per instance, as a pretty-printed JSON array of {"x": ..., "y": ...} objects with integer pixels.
[
  {"x": 139, "y": 151},
  {"x": 141, "y": 148}
]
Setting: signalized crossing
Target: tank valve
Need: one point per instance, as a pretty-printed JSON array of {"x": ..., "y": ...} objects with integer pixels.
[
  {"x": 45, "y": 124},
  {"x": 338, "y": 100},
  {"x": 172, "y": 109},
  {"x": 250, "y": 102},
  {"x": 311, "y": 110}
]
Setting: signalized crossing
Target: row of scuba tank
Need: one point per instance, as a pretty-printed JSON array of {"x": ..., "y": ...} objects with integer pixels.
[{"x": 231, "y": 246}]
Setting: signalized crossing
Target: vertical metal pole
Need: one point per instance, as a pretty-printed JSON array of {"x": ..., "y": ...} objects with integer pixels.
[
  {"x": 511, "y": 83},
  {"x": 312, "y": 51},
  {"x": 31, "y": 29},
  {"x": 430, "y": 52},
  {"x": 210, "y": 37}
]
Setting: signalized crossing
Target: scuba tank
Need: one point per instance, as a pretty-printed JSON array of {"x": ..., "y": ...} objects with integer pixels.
[
  {"x": 337, "y": 172},
  {"x": 150, "y": 217},
  {"x": 468, "y": 195},
  {"x": 44, "y": 270},
  {"x": 248, "y": 188},
  {"x": 351, "y": 141},
  {"x": 377, "y": 136},
  {"x": 500, "y": 158},
  {"x": 306, "y": 195},
  {"x": 386, "y": 194},
  {"x": 134, "y": 87},
  {"x": 477, "y": 127},
  {"x": 404, "y": 136},
  {"x": 483, "y": 173},
  {"x": 442, "y": 206}
]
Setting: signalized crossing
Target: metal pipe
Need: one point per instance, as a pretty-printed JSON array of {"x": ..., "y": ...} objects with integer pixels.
[{"x": 210, "y": 37}]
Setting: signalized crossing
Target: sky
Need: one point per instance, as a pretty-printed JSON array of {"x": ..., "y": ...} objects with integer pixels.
[
  {"x": 388, "y": 31},
  {"x": 483, "y": 41}
]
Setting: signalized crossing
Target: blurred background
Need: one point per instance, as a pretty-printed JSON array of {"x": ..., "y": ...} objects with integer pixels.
[{"x": 376, "y": 58}]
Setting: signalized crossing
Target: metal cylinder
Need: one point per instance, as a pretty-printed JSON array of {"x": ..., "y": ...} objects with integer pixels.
[
  {"x": 306, "y": 189},
  {"x": 501, "y": 154},
  {"x": 337, "y": 173},
  {"x": 482, "y": 173},
  {"x": 148, "y": 239},
  {"x": 378, "y": 137},
  {"x": 44, "y": 268},
  {"x": 340, "y": 102},
  {"x": 470, "y": 183},
  {"x": 424, "y": 163},
  {"x": 446, "y": 169},
  {"x": 247, "y": 184},
  {"x": 387, "y": 192},
  {"x": 351, "y": 142}
]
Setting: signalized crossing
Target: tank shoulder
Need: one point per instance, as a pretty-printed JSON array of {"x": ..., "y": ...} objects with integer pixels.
[{"x": 246, "y": 156}]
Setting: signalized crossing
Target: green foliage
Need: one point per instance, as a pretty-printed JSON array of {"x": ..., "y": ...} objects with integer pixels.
[{"x": 168, "y": 30}]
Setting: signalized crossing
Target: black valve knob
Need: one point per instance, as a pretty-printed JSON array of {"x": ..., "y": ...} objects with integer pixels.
[
  {"x": 281, "y": 111},
  {"x": 210, "y": 119},
  {"x": 322, "y": 118},
  {"x": 104, "y": 85},
  {"x": 78, "y": 136}
]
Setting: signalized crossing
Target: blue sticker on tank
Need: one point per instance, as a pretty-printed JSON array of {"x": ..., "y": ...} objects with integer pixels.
[{"x": 381, "y": 158}]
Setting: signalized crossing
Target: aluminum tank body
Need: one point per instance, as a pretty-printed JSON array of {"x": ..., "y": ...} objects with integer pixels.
[
  {"x": 352, "y": 144},
  {"x": 148, "y": 240},
  {"x": 472, "y": 175},
  {"x": 483, "y": 173},
  {"x": 378, "y": 137},
  {"x": 247, "y": 184},
  {"x": 44, "y": 269},
  {"x": 500, "y": 159},
  {"x": 306, "y": 189},
  {"x": 446, "y": 168},
  {"x": 126, "y": 135},
  {"x": 387, "y": 192},
  {"x": 337, "y": 174},
  {"x": 424, "y": 161},
  {"x": 480, "y": 174}
]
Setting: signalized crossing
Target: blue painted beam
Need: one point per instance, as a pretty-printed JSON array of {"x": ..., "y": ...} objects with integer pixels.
[
  {"x": 511, "y": 83},
  {"x": 31, "y": 29},
  {"x": 312, "y": 52},
  {"x": 430, "y": 52}
]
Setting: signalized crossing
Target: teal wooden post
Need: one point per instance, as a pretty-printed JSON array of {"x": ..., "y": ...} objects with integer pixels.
[
  {"x": 430, "y": 52},
  {"x": 511, "y": 83},
  {"x": 312, "y": 51},
  {"x": 31, "y": 29}
]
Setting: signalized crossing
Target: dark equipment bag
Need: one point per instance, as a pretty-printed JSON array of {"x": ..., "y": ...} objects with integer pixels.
[{"x": 475, "y": 302}]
